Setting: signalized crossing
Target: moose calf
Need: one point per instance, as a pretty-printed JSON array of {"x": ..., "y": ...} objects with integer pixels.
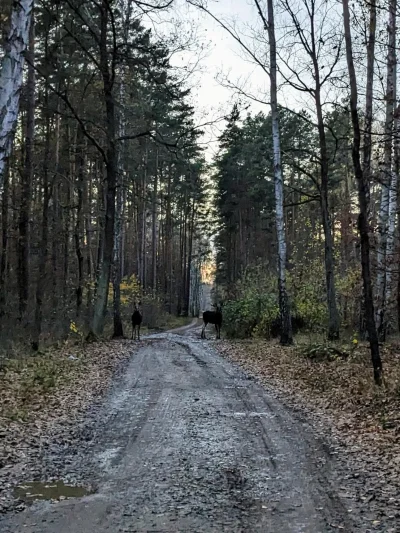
[
  {"x": 136, "y": 320},
  {"x": 212, "y": 317}
]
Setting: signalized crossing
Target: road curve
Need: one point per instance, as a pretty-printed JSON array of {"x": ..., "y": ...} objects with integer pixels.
[{"x": 186, "y": 442}]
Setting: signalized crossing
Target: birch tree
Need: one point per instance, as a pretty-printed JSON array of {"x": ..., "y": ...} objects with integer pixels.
[
  {"x": 388, "y": 202},
  {"x": 11, "y": 76},
  {"x": 397, "y": 171},
  {"x": 286, "y": 335}
]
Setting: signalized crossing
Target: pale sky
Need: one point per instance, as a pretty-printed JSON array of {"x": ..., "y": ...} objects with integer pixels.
[
  {"x": 223, "y": 57},
  {"x": 226, "y": 59}
]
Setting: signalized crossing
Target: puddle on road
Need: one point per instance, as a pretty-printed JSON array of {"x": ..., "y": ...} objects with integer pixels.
[{"x": 36, "y": 490}]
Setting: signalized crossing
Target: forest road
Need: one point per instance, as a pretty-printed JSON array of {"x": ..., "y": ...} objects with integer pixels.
[{"x": 186, "y": 442}]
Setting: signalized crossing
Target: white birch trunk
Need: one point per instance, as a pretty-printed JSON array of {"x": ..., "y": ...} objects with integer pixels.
[
  {"x": 392, "y": 203},
  {"x": 389, "y": 193},
  {"x": 11, "y": 76},
  {"x": 390, "y": 241},
  {"x": 286, "y": 333},
  {"x": 381, "y": 251}
]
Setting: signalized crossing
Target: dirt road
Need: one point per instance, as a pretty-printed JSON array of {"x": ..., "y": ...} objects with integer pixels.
[{"x": 185, "y": 442}]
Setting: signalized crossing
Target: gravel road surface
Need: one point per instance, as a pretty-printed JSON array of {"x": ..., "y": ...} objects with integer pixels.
[{"x": 186, "y": 442}]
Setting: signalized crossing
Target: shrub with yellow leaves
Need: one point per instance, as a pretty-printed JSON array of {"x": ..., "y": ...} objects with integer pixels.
[{"x": 74, "y": 328}]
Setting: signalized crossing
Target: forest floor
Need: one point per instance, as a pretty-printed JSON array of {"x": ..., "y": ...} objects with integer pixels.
[
  {"x": 363, "y": 421},
  {"x": 43, "y": 406},
  {"x": 167, "y": 435}
]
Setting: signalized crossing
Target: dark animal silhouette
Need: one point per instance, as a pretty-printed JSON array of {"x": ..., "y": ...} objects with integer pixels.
[
  {"x": 212, "y": 317},
  {"x": 136, "y": 320},
  {"x": 298, "y": 323}
]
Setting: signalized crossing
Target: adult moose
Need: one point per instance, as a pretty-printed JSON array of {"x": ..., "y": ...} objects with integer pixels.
[
  {"x": 136, "y": 320},
  {"x": 212, "y": 317}
]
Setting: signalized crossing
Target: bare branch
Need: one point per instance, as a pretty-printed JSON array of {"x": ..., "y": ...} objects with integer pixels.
[{"x": 232, "y": 33}]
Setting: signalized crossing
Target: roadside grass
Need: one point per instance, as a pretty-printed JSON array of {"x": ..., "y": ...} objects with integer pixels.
[{"x": 28, "y": 380}]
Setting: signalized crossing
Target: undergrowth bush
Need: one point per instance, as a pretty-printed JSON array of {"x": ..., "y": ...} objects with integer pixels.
[
  {"x": 254, "y": 311},
  {"x": 35, "y": 375},
  {"x": 307, "y": 290},
  {"x": 250, "y": 316},
  {"x": 320, "y": 352}
]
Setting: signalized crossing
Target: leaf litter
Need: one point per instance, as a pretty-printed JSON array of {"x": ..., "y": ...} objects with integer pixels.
[{"x": 43, "y": 402}]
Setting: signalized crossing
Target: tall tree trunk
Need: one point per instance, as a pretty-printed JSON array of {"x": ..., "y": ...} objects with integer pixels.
[
  {"x": 103, "y": 281},
  {"x": 43, "y": 252},
  {"x": 333, "y": 314},
  {"x": 4, "y": 239},
  {"x": 117, "y": 278},
  {"x": 345, "y": 222},
  {"x": 89, "y": 236},
  {"x": 181, "y": 263},
  {"x": 396, "y": 171},
  {"x": 387, "y": 210},
  {"x": 363, "y": 192},
  {"x": 154, "y": 230},
  {"x": 286, "y": 322},
  {"x": 101, "y": 216},
  {"x": 367, "y": 144},
  {"x": 143, "y": 225},
  {"x": 56, "y": 209},
  {"x": 168, "y": 246},
  {"x": 119, "y": 222},
  {"x": 26, "y": 182},
  {"x": 390, "y": 248},
  {"x": 11, "y": 75},
  {"x": 67, "y": 223},
  {"x": 79, "y": 221},
  {"x": 189, "y": 261}
]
